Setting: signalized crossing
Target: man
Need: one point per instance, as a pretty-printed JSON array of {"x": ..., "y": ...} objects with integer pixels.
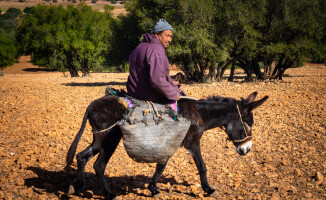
[{"x": 149, "y": 67}]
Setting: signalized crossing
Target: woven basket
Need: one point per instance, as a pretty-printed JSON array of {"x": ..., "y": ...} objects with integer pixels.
[{"x": 148, "y": 141}]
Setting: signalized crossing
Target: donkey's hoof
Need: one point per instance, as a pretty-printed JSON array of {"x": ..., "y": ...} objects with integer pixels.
[
  {"x": 157, "y": 196},
  {"x": 71, "y": 189},
  {"x": 213, "y": 195},
  {"x": 116, "y": 198},
  {"x": 111, "y": 196}
]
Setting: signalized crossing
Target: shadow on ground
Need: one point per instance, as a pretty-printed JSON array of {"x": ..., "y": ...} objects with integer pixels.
[
  {"x": 94, "y": 84},
  {"x": 38, "y": 69},
  {"x": 57, "y": 182}
]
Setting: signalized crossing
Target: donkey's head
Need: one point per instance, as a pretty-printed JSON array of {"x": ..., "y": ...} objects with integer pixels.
[{"x": 240, "y": 122}]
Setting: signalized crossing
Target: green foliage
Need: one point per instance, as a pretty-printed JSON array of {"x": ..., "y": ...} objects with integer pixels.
[
  {"x": 12, "y": 13},
  {"x": 243, "y": 33},
  {"x": 75, "y": 38},
  {"x": 8, "y": 23},
  {"x": 27, "y": 9},
  {"x": 7, "y": 51}
]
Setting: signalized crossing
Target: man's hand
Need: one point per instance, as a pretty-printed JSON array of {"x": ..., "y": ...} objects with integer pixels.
[{"x": 179, "y": 86}]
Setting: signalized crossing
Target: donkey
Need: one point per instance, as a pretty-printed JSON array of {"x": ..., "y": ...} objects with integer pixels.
[{"x": 235, "y": 116}]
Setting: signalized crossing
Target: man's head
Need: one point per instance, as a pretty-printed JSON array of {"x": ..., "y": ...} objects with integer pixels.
[{"x": 163, "y": 31}]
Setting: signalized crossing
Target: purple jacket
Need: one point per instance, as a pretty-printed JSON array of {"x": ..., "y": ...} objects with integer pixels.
[{"x": 149, "y": 72}]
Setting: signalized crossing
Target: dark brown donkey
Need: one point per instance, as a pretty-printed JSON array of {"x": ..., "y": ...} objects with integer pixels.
[{"x": 234, "y": 115}]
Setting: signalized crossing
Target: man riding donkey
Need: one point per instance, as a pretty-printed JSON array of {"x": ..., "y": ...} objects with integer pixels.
[
  {"x": 149, "y": 78},
  {"x": 154, "y": 136}
]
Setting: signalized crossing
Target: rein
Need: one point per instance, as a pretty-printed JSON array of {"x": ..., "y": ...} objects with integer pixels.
[{"x": 243, "y": 126}]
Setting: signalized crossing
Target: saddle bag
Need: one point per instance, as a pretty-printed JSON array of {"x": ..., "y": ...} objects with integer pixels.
[{"x": 152, "y": 133}]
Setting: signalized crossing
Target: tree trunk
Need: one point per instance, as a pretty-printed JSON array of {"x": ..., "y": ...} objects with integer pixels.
[
  {"x": 211, "y": 74},
  {"x": 83, "y": 65},
  {"x": 70, "y": 65},
  {"x": 269, "y": 66},
  {"x": 219, "y": 71},
  {"x": 84, "y": 68},
  {"x": 222, "y": 70},
  {"x": 232, "y": 72},
  {"x": 256, "y": 69},
  {"x": 247, "y": 68},
  {"x": 277, "y": 68},
  {"x": 285, "y": 67}
]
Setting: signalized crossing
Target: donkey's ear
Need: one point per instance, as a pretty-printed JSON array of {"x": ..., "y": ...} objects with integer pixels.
[
  {"x": 253, "y": 105},
  {"x": 251, "y": 97}
]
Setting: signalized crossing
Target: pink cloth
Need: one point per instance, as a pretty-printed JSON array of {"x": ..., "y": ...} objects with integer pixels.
[{"x": 174, "y": 106}]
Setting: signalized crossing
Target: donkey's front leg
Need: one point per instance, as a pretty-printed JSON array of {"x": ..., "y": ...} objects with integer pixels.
[
  {"x": 152, "y": 184},
  {"x": 196, "y": 155}
]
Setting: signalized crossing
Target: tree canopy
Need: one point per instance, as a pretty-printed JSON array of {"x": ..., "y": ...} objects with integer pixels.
[
  {"x": 73, "y": 38},
  {"x": 8, "y": 50},
  {"x": 248, "y": 34},
  {"x": 209, "y": 36}
]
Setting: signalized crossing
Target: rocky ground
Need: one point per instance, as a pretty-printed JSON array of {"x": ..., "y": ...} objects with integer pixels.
[{"x": 41, "y": 112}]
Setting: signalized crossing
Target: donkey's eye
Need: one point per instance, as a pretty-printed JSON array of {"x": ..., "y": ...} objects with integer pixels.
[{"x": 248, "y": 118}]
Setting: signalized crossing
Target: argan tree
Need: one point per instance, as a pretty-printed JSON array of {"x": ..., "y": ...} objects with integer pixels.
[
  {"x": 8, "y": 23},
  {"x": 73, "y": 38}
]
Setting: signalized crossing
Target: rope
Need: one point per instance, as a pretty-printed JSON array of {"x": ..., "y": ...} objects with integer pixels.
[
  {"x": 105, "y": 130},
  {"x": 247, "y": 137},
  {"x": 155, "y": 111},
  {"x": 243, "y": 126}
]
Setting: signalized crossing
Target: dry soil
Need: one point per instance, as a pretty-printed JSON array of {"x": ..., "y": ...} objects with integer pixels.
[{"x": 41, "y": 112}]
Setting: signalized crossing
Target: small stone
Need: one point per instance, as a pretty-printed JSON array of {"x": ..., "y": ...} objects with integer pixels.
[
  {"x": 194, "y": 189},
  {"x": 275, "y": 196},
  {"x": 28, "y": 192},
  {"x": 20, "y": 181},
  {"x": 292, "y": 189},
  {"x": 319, "y": 176},
  {"x": 255, "y": 190},
  {"x": 297, "y": 172},
  {"x": 308, "y": 195}
]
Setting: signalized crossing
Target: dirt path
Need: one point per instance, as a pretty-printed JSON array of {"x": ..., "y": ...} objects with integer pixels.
[{"x": 40, "y": 113}]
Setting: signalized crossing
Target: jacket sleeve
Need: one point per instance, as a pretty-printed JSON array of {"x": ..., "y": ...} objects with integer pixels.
[{"x": 159, "y": 76}]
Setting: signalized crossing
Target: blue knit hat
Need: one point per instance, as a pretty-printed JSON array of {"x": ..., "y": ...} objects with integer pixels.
[{"x": 161, "y": 25}]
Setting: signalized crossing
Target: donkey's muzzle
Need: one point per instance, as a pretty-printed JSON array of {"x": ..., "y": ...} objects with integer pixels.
[{"x": 244, "y": 147}]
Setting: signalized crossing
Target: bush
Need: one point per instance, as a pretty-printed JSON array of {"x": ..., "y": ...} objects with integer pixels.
[
  {"x": 94, "y": 1},
  {"x": 27, "y": 10},
  {"x": 7, "y": 51}
]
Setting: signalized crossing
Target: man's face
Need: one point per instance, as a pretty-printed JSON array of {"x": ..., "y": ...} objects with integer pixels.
[{"x": 165, "y": 37}]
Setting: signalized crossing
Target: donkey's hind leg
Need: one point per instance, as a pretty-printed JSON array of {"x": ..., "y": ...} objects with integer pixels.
[
  {"x": 152, "y": 184},
  {"x": 109, "y": 145},
  {"x": 82, "y": 159}
]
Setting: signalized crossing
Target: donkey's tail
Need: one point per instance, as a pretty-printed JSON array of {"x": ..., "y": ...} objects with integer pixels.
[{"x": 74, "y": 144}]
